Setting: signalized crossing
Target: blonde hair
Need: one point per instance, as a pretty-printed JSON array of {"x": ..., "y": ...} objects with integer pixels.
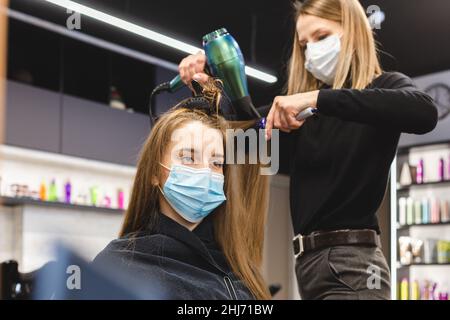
[
  {"x": 358, "y": 60},
  {"x": 239, "y": 221}
]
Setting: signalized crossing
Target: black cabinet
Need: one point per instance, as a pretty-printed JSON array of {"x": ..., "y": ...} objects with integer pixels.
[
  {"x": 32, "y": 117},
  {"x": 34, "y": 56},
  {"x": 45, "y": 120},
  {"x": 95, "y": 131}
]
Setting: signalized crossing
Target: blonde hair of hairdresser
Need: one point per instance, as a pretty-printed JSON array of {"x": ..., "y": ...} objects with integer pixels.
[{"x": 358, "y": 60}]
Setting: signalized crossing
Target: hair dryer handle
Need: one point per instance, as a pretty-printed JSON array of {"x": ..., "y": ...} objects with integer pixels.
[{"x": 175, "y": 84}]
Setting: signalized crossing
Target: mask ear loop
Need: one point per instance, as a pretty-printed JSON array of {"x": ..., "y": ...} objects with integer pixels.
[
  {"x": 159, "y": 187},
  {"x": 161, "y": 190},
  {"x": 165, "y": 166}
]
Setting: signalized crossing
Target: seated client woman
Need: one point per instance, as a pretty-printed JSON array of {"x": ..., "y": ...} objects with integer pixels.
[{"x": 194, "y": 226}]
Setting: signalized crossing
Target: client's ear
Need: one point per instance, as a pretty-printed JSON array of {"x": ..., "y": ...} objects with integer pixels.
[{"x": 155, "y": 181}]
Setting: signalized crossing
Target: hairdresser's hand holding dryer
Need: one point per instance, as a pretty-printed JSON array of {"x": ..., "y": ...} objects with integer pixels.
[{"x": 342, "y": 155}]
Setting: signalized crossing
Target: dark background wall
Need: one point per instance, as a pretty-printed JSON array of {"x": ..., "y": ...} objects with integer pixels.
[{"x": 413, "y": 39}]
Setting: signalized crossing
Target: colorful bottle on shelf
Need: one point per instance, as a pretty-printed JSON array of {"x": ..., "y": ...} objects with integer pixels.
[
  {"x": 415, "y": 290},
  {"x": 441, "y": 169},
  {"x": 420, "y": 172},
  {"x": 425, "y": 211},
  {"x": 43, "y": 191},
  {"x": 435, "y": 211},
  {"x": 120, "y": 199},
  {"x": 442, "y": 251},
  {"x": 52, "y": 192},
  {"x": 107, "y": 201},
  {"x": 448, "y": 167},
  {"x": 417, "y": 212},
  {"x": 444, "y": 211},
  {"x": 433, "y": 291},
  {"x": 409, "y": 211},
  {"x": 67, "y": 192},
  {"x": 405, "y": 175},
  {"x": 404, "y": 289},
  {"x": 94, "y": 195},
  {"x": 426, "y": 290}
]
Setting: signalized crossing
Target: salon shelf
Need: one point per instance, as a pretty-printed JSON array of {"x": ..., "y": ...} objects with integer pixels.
[
  {"x": 422, "y": 265},
  {"x": 419, "y": 185},
  {"x": 21, "y": 201},
  {"x": 404, "y": 149},
  {"x": 404, "y": 227}
]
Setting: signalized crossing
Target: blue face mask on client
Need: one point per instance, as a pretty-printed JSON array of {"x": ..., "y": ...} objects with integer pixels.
[{"x": 193, "y": 193}]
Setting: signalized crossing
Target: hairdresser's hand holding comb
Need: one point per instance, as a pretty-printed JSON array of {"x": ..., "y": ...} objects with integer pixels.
[
  {"x": 284, "y": 110},
  {"x": 192, "y": 68}
]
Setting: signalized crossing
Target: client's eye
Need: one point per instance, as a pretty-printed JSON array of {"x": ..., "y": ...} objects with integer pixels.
[
  {"x": 217, "y": 164},
  {"x": 187, "y": 159}
]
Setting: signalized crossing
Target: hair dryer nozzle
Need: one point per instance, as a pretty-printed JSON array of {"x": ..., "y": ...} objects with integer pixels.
[{"x": 244, "y": 109}]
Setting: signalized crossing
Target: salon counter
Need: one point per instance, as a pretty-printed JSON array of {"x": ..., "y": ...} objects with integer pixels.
[{"x": 31, "y": 228}]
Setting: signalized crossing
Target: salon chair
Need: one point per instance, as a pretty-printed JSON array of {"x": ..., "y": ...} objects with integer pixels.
[{"x": 15, "y": 285}]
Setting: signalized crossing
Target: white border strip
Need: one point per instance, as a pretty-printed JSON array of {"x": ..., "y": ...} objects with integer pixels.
[{"x": 393, "y": 240}]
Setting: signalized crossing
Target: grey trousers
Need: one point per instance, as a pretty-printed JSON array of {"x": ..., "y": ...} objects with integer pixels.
[{"x": 343, "y": 273}]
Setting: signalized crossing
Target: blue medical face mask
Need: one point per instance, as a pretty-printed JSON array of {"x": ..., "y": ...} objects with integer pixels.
[{"x": 193, "y": 193}]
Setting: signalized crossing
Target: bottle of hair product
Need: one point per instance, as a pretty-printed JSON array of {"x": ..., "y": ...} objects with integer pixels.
[
  {"x": 43, "y": 192},
  {"x": 448, "y": 167},
  {"x": 415, "y": 291},
  {"x": 441, "y": 169},
  {"x": 426, "y": 290},
  {"x": 443, "y": 295},
  {"x": 67, "y": 192},
  {"x": 404, "y": 289},
  {"x": 417, "y": 212},
  {"x": 425, "y": 211},
  {"x": 433, "y": 291},
  {"x": 94, "y": 195},
  {"x": 442, "y": 251},
  {"x": 409, "y": 211},
  {"x": 445, "y": 211},
  {"x": 120, "y": 199},
  {"x": 106, "y": 201},
  {"x": 420, "y": 172},
  {"x": 405, "y": 175},
  {"x": 52, "y": 192},
  {"x": 435, "y": 210}
]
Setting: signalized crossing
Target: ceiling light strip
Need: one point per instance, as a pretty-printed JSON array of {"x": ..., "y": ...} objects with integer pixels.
[{"x": 147, "y": 33}]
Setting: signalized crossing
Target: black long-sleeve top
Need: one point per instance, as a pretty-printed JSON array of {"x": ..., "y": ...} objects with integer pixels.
[{"x": 342, "y": 156}]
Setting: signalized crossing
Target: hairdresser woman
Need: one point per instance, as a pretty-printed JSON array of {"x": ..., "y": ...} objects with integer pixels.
[{"x": 341, "y": 156}]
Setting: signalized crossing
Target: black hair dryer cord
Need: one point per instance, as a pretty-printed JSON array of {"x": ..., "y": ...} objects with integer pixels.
[{"x": 165, "y": 86}]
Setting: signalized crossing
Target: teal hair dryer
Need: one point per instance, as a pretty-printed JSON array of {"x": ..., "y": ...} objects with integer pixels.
[{"x": 226, "y": 62}]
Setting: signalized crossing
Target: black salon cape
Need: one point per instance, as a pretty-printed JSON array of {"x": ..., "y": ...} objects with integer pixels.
[{"x": 174, "y": 263}]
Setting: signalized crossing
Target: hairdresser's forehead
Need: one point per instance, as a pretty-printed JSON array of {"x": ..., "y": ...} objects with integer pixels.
[
  {"x": 308, "y": 24},
  {"x": 196, "y": 135}
]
